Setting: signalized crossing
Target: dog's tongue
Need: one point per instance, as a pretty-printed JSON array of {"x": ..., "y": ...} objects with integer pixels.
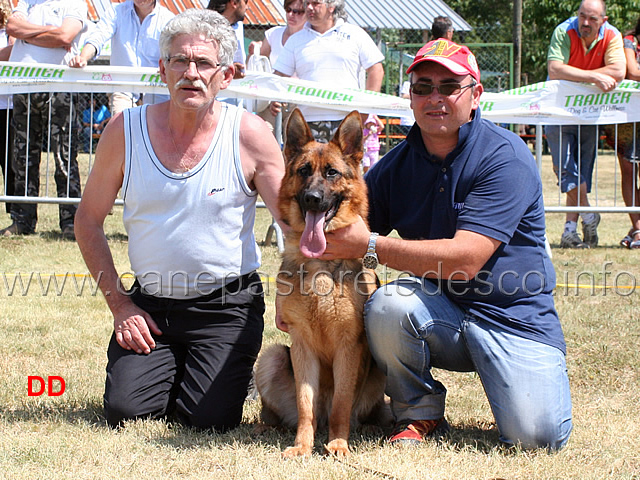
[{"x": 313, "y": 242}]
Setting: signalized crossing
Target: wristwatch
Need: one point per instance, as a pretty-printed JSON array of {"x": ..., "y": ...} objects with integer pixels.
[{"x": 370, "y": 259}]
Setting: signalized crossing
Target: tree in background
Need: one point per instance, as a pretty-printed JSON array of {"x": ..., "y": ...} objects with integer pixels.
[{"x": 540, "y": 17}]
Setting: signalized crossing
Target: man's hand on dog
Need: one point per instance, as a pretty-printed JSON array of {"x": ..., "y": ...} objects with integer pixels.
[{"x": 348, "y": 242}]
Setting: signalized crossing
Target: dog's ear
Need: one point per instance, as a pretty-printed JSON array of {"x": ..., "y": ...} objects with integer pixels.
[
  {"x": 298, "y": 135},
  {"x": 348, "y": 137}
]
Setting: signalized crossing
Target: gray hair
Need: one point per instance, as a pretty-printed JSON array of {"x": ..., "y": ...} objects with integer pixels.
[
  {"x": 197, "y": 21},
  {"x": 340, "y": 9}
]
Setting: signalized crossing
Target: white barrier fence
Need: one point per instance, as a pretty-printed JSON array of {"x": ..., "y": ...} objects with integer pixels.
[{"x": 546, "y": 103}]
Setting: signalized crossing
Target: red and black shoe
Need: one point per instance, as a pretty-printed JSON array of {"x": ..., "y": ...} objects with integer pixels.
[{"x": 415, "y": 431}]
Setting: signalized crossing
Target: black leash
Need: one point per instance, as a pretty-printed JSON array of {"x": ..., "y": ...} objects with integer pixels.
[{"x": 359, "y": 467}]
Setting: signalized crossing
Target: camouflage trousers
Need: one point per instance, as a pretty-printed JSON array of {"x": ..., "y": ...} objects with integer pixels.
[
  {"x": 6, "y": 154},
  {"x": 323, "y": 131},
  {"x": 32, "y": 115}
]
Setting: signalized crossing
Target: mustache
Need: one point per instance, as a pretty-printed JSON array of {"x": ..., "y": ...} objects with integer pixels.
[{"x": 185, "y": 82}]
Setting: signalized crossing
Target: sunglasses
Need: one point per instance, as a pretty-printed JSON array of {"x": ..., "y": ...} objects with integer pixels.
[
  {"x": 294, "y": 11},
  {"x": 446, "y": 89}
]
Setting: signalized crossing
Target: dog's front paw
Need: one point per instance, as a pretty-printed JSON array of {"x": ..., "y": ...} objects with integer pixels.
[
  {"x": 338, "y": 447},
  {"x": 296, "y": 451}
]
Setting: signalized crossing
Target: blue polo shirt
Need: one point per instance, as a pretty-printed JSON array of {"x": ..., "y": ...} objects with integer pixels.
[{"x": 489, "y": 184}]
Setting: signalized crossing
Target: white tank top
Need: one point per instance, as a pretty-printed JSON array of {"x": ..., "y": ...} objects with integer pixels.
[{"x": 189, "y": 233}]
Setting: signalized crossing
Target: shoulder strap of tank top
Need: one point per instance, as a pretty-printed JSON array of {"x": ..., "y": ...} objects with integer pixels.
[
  {"x": 126, "y": 116},
  {"x": 132, "y": 119},
  {"x": 236, "y": 152}
]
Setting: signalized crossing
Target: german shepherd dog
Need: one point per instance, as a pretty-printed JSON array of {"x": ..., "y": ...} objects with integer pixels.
[{"x": 327, "y": 376}]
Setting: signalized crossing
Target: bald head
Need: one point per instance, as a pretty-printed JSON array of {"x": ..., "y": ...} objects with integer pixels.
[
  {"x": 595, "y": 4},
  {"x": 591, "y": 17}
]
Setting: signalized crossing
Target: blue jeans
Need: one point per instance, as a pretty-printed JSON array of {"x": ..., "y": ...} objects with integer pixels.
[
  {"x": 573, "y": 161},
  {"x": 412, "y": 327}
]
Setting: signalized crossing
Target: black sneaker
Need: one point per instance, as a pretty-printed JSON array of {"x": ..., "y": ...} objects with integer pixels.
[
  {"x": 590, "y": 231},
  {"x": 572, "y": 240},
  {"x": 68, "y": 233},
  {"x": 14, "y": 229}
]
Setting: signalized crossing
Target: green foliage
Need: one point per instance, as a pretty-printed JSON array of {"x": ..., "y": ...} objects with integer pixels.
[{"x": 539, "y": 18}]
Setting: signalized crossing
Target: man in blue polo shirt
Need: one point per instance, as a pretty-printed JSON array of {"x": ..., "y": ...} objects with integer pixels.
[{"x": 466, "y": 199}]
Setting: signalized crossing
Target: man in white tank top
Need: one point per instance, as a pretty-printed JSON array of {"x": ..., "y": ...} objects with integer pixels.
[{"x": 187, "y": 334}]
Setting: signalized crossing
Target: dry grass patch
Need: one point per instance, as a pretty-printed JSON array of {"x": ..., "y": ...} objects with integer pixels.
[{"x": 65, "y": 333}]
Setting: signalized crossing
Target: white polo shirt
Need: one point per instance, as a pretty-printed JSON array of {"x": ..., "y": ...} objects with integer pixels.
[
  {"x": 336, "y": 57},
  {"x": 48, "y": 12},
  {"x": 274, "y": 37}
]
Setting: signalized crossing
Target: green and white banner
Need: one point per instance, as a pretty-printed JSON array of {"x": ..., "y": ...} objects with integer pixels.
[
  {"x": 40, "y": 77},
  {"x": 552, "y": 102},
  {"x": 559, "y": 102},
  {"x": 24, "y": 78}
]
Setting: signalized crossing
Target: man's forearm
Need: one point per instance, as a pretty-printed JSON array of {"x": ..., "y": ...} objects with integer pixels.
[
  {"x": 97, "y": 255},
  {"x": 20, "y": 28},
  {"x": 561, "y": 71},
  {"x": 430, "y": 258},
  {"x": 48, "y": 36},
  {"x": 616, "y": 70},
  {"x": 50, "y": 39},
  {"x": 88, "y": 52}
]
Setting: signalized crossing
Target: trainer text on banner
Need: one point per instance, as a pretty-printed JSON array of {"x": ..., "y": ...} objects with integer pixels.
[{"x": 552, "y": 102}]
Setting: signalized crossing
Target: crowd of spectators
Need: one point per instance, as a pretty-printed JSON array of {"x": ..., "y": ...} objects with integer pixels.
[{"x": 325, "y": 48}]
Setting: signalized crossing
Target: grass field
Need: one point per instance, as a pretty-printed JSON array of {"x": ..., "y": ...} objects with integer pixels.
[{"x": 59, "y": 326}]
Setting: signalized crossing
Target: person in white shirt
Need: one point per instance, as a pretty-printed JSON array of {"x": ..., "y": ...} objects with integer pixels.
[
  {"x": 272, "y": 45},
  {"x": 46, "y": 31},
  {"x": 333, "y": 52},
  {"x": 234, "y": 11},
  {"x": 276, "y": 37},
  {"x": 134, "y": 28}
]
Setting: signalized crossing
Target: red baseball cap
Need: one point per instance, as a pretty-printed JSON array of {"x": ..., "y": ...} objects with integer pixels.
[{"x": 456, "y": 58}]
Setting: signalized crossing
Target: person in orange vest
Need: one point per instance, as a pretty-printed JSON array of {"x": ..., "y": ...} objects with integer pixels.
[{"x": 585, "y": 48}]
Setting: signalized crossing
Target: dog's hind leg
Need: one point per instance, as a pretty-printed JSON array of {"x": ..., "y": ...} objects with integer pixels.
[{"x": 276, "y": 386}]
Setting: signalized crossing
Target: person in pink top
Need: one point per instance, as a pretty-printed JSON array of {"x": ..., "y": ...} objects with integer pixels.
[{"x": 372, "y": 128}]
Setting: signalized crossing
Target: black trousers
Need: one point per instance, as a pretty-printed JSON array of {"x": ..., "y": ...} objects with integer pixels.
[{"x": 202, "y": 364}]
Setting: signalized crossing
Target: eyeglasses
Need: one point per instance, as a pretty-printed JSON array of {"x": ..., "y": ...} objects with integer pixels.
[
  {"x": 180, "y": 63},
  {"x": 294, "y": 11},
  {"x": 446, "y": 89}
]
